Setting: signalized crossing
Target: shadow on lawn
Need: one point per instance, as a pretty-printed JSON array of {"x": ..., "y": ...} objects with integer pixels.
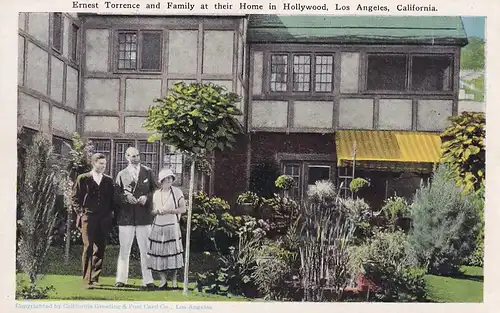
[
  {"x": 55, "y": 264},
  {"x": 478, "y": 278}
]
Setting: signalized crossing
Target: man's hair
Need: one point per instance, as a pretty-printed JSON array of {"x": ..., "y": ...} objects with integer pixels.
[
  {"x": 97, "y": 156},
  {"x": 127, "y": 152}
]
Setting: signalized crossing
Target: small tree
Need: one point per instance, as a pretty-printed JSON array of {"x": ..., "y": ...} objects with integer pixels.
[
  {"x": 464, "y": 149},
  {"x": 197, "y": 119},
  {"x": 37, "y": 190},
  {"x": 78, "y": 163},
  {"x": 445, "y": 224}
]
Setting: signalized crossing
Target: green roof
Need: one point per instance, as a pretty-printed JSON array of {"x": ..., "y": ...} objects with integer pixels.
[{"x": 357, "y": 29}]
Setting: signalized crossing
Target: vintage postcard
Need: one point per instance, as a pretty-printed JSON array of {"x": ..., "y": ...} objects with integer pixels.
[{"x": 184, "y": 156}]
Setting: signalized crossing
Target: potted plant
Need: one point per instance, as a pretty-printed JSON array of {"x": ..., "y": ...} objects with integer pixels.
[{"x": 247, "y": 201}]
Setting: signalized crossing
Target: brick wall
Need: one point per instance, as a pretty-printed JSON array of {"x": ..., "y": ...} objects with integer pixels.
[{"x": 230, "y": 173}]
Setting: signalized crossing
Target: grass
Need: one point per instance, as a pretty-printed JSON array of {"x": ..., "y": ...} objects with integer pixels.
[
  {"x": 68, "y": 283},
  {"x": 467, "y": 288}
]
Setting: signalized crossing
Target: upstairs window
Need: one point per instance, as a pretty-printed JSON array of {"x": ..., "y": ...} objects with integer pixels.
[
  {"x": 431, "y": 73},
  {"x": 74, "y": 43},
  {"x": 279, "y": 72},
  {"x": 387, "y": 72},
  {"x": 139, "y": 51},
  {"x": 310, "y": 73},
  {"x": 57, "y": 31},
  {"x": 409, "y": 73}
]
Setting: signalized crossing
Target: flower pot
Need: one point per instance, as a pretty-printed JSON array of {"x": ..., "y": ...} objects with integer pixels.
[{"x": 246, "y": 208}]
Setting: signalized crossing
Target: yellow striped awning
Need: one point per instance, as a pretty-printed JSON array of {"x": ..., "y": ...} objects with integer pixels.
[{"x": 385, "y": 149}]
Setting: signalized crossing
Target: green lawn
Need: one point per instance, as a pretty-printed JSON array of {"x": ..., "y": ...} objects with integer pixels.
[
  {"x": 468, "y": 288},
  {"x": 66, "y": 278},
  {"x": 72, "y": 288}
]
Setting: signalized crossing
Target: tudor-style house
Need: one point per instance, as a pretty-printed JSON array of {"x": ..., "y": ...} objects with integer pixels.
[{"x": 317, "y": 91}]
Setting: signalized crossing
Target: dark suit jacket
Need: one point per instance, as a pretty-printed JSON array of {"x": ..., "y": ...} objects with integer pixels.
[
  {"x": 92, "y": 199},
  {"x": 135, "y": 214}
]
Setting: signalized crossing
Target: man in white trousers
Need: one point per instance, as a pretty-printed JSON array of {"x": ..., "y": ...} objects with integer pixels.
[{"x": 135, "y": 185}]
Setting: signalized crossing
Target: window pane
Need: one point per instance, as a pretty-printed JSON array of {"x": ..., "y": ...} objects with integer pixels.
[
  {"x": 57, "y": 31},
  {"x": 74, "y": 42},
  {"x": 386, "y": 72},
  {"x": 317, "y": 173},
  {"x": 127, "y": 51},
  {"x": 431, "y": 73},
  {"x": 120, "y": 160},
  {"x": 293, "y": 170},
  {"x": 301, "y": 72},
  {"x": 151, "y": 51},
  {"x": 324, "y": 73},
  {"x": 150, "y": 154},
  {"x": 279, "y": 72},
  {"x": 173, "y": 160},
  {"x": 103, "y": 146}
]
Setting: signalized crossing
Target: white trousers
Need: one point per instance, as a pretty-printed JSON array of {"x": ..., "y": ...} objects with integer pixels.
[{"x": 126, "y": 236}]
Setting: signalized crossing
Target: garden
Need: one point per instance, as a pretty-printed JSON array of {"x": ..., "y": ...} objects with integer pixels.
[{"x": 270, "y": 247}]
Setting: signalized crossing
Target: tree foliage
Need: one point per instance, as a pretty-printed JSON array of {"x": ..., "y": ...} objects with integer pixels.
[
  {"x": 195, "y": 118},
  {"x": 464, "y": 149},
  {"x": 472, "y": 55},
  {"x": 41, "y": 177},
  {"x": 445, "y": 223}
]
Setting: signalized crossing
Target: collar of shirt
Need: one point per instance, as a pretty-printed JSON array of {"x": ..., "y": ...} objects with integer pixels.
[
  {"x": 134, "y": 169},
  {"x": 97, "y": 176}
]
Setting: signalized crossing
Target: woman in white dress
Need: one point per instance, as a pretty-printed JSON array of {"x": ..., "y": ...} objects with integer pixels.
[{"x": 165, "y": 241}]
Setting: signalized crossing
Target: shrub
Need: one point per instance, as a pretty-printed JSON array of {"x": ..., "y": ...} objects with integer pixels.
[
  {"x": 464, "y": 149},
  {"x": 274, "y": 271},
  {"x": 31, "y": 292},
  {"x": 322, "y": 191},
  {"x": 357, "y": 184},
  {"x": 213, "y": 226},
  {"x": 445, "y": 224},
  {"x": 284, "y": 182},
  {"x": 395, "y": 208},
  {"x": 234, "y": 273},
  {"x": 387, "y": 262},
  {"x": 358, "y": 211},
  {"x": 36, "y": 195},
  {"x": 477, "y": 257}
]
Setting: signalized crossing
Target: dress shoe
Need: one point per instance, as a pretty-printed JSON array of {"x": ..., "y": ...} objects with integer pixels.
[{"x": 149, "y": 287}]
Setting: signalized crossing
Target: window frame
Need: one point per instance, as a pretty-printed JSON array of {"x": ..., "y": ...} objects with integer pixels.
[
  {"x": 290, "y": 72},
  {"x": 138, "y": 68},
  {"x": 74, "y": 43},
  {"x": 111, "y": 155},
  {"x": 62, "y": 142},
  {"x": 304, "y": 165},
  {"x": 408, "y": 90},
  {"x": 59, "y": 49},
  {"x": 164, "y": 152}
]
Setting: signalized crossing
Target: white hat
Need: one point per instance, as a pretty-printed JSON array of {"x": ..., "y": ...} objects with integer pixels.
[{"x": 164, "y": 173}]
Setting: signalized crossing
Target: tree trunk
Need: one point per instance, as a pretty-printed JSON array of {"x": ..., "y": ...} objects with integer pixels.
[
  {"x": 188, "y": 227},
  {"x": 68, "y": 237}
]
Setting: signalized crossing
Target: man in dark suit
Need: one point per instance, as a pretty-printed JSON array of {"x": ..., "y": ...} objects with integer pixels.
[
  {"x": 94, "y": 201},
  {"x": 135, "y": 186}
]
